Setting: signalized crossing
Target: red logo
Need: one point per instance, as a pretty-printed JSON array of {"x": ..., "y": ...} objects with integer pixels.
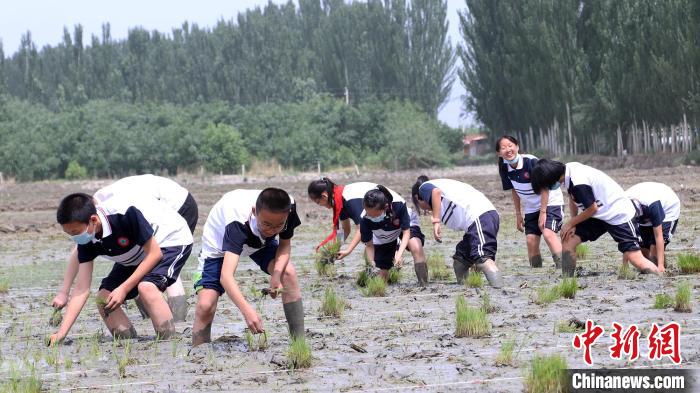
[
  {"x": 396, "y": 222},
  {"x": 123, "y": 241},
  {"x": 526, "y": 175}
]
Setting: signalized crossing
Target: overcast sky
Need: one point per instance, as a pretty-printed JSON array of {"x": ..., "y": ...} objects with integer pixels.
[{"x": 46, "y": 19}]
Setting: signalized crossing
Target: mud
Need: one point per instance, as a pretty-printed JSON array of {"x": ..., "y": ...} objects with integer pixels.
[{"x": 402, "y": 342}]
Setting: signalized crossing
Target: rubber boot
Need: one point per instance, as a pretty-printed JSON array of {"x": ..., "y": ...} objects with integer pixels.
[
  {"x": 557, "y": 260},
  {"x": 461, "y": 268},
  {"x": 294, "y": 312},
  {"x": 491, "y": 272},
  {"x": 568, "y": 264},
  {"x": 536, "y": 261},
  {"x": 421, "y": 269}
]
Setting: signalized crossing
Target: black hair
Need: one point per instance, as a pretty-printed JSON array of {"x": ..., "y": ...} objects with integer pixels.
[
  {"x": 378, "y": 198},
  {"x": 275, "y": 200},
  {"x": 499, "y": 161},
  {"x": 318, "y": 187},
  {"x": 545, "y": 173},
  {"x": 77, "y": 207},
  {"x": 415, "y": 197}
]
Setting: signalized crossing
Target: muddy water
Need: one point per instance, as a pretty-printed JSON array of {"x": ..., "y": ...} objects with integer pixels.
[{"x": 408, "y": 336}]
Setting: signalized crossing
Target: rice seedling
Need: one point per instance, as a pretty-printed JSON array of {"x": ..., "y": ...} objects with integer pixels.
[
  {"x": 17, "y": 383},
  {"x": 56, "y": 318},
  {"x": 683, "y": 294},
  {"x": 52, "y": 357},
  {"x": 486, "y": 304},
  {"x": 505, "y": 354},
  {"x": 394, "y": 276},
  {"x": 546, "y": 374},
  {"x": 689, "y": 263},
  {"x": 101, "y": 304},
  {"x": 124, "y": 360},
  {"x": 625, "y": 273},
  {"x": 325, "y": 257},
  {"x": 547, "y": 295},
  {"x": 568, "y": 287},
  {"x": 174, "y": 347},
  {"x": 470, "y": 321},
  {"x": 255, "y": 344},
  {"x": 362, "y": 278},
  {"x": 474, "y": 280},
  {"x": 333, "y": 305},
  {"x": 298, "y": 354},
  {"x": 662, "y": 300},
  {"x": 376, "y": 287},
  {"x": 4, "y": 285},
  {"x": 582, "y": 251},
  {"x": 437, "y": 268},
  {"x": 68, "y": 363}
]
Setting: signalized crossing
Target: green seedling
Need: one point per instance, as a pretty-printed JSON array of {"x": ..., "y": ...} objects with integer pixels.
[
  {"x": 68, "y": 363},
  {"x": 505, "y": 354},
  {"x": 56, "y": 318},
  {"x": 437, "y": 268},
  {"x": 474, "y": 280},
  {"x": 547, "y": 374},
  {"x": 325, "y": 269},
  {"x": 298, "y": 354},
  {"x": 547, "y": 295},
  {"x": 53, "y": 357},
  {"x": 470, "y": 321},
  {"x": 568, "y": 287},
  {"x": 256, "y": 344},
  {"x": 394, "y": 276},
  {"x": 328, "y": 253},
  {"x": 362, "y": 278},
  {"x": 662, "y": 300},
  {"x": 333, "y": 305},
  {"x": 582, "y": 251},
  {"x": 376, "y": 287},
  {"x": 486, "y": 305},
  {"x": 4, "y": 285},
  {"x": 689, "y": 263},
  {"x": 102, "y": 304},
  {"x": 625, "y": 273},
  {"x": 124, "y": 360},
  {"x": 17, "y": 383},
  {"x": 683, "y": 294}
]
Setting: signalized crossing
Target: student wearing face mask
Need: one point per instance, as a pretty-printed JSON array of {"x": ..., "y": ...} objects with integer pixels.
[
  {"x": 388, "y": 227},
  {"x": 247, "y": 223},
  {"x": 149, "y": 244},
  {"x": 538, "y": 221}
]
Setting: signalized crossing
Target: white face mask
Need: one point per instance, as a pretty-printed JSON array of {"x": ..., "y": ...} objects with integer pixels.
[
  {"x": 514, "y": 161},
  {"x": 83, "y": 238},
  {"x": 377, "y": 219}
]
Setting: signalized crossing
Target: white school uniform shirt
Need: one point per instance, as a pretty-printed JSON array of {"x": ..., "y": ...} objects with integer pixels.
[
  {"x": 461, "y": 203},
  {"x": 588, "y": 185},
  {"x": 650, "y": 194},
  {"x": 519, "y": 179},
  {"x": 147, "y": 186}
]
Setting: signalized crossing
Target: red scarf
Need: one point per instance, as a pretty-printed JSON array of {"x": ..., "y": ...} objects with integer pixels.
[{"x": 337, "y": 207}]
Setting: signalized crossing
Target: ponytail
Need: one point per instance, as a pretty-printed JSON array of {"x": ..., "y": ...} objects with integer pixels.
[
  {"x": 379, "y": 198},
  {"x": 414, "y": 192}
]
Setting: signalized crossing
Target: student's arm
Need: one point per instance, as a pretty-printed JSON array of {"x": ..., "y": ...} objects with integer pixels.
[
  {"x": 435, "y": 201},
  {"x": 353, "y": 243},
  {"x": 519, "y": 221},
  {"x": 153, "y": 256},
  {"x": 284, "y": 250},
  {"x": 573, "y": 208},
  {"x": 659, "y": 240},
  {"x": 77, "y": 302},
  {"x": 61, "y": 298},
  {"x": 568, "y": 228},
  {"x": 228, "y": 269},
  {"x": 369, "y": 249},
  {"x": 544, "y": 203},
  {"x": 346, "y": 229},
  {"x": 405, "y": 237}
]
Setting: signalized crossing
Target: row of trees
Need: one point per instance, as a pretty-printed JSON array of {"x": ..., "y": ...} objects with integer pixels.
[
  {"x": 112, "y": 138},
  {"x": 585, "y": 75},
  {"x": 389, "y": 49}
]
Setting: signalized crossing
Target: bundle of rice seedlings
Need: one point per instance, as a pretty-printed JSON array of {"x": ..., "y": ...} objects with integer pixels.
[
  {"x": 437, "y": 268},
  {"x": 662, "y": 300},
  {"x": 333, "y": 305},
  {"x": 625, "y": 273},
  {"x": 474, "y": 280},
  {"x": 470, "y": 321},
  {"x": 328, "y": 253},
  {"x": 582, "y": 251},
  {"x": 254, "y": 344},
  {"x": 505, "y": 354},
  {"x": 56, "y": 318},
  {"x": 298, "y": 354},
  {"x": 376, "y": 287},
  {"x": 568, "y": 287},
  {"x": 394, "y": 276},
  {"x": 547, "y": 295},
  {"x": 683, "y": 294},
  {"x": 547, "y": 374},
  {"x": 689, "y": 263}
]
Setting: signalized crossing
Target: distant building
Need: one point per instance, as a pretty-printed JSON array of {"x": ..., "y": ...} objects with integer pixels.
[{"x": 475, "y": 145}]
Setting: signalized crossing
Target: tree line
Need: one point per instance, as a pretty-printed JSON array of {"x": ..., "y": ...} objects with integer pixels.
[{"x": 585, "y": 76}]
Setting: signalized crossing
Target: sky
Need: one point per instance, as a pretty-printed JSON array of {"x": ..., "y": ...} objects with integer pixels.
[{"x": 47, "y": 18}]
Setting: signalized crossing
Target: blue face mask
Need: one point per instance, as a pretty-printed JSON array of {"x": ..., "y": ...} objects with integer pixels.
[
  {"x": 84, "y": 238},
  {"x": 555, "y": 186},
  {"x": 514, "y": 161},
  {"x": 377, "y": 219}
]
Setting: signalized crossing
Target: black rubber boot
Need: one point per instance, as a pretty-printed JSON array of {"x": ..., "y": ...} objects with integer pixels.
[
  {"x": 421, "y": 269},
  {"x": 568, "y": 264},
  {"x": 536, "y": 261},
  {"x": 294, "y": 312}
]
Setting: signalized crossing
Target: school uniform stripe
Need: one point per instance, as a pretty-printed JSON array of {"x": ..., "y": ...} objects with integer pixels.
[
  {"x": 450, "y": 215},
  {"x": 449, "y": 206},
  {"x": 171, "y": 268},
  {"x": 481, "y": 237}
]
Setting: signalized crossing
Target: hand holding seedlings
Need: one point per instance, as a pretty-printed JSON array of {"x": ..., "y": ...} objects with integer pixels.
[
  {"x": 253, "y": 320},
  {"x": 275, "y": 284},
  {"x": 59, "y": 301},
  {"x": 54, "y": 339},
  {"x": 116, "y": 298},
  {"x": 342, "y": 254}
]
